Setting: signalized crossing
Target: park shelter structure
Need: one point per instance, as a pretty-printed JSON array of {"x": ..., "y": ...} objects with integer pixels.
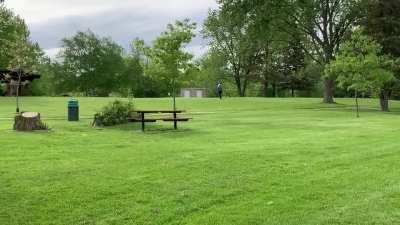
[
  {"x": 14, "y": 79},
  {"x": 194, "y": 92}
]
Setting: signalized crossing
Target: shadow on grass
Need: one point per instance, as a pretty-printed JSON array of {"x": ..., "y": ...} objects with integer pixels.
[
  {"x": 321, "y": 106},
  {"x": 340, "y": 107},
  {"x": 154, "y": 129}
]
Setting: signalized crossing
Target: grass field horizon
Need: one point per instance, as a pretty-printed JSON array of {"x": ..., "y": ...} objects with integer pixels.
[{"x": 240, "y": 161}]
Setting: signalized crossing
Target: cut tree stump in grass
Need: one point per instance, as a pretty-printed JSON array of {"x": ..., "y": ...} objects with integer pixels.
[{"x": 29, "y": 121}]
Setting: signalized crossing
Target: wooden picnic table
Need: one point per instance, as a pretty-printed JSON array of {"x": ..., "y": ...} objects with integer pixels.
[{"x": 174, "y": 119}]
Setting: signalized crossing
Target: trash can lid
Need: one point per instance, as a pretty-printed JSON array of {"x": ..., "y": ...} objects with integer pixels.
[{"x": 73, "y": 102}]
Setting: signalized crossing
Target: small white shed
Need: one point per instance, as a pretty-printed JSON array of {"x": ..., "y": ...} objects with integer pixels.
[{"x": 194, "y": 92}]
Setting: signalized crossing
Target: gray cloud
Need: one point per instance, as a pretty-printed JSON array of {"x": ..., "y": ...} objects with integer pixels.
[{"x": 122, "y": 24}]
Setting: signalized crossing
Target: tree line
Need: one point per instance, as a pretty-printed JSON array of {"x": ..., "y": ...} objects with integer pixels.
[
  {"x": 319, "y": 48},
  {"x": 299, "y": 45}
]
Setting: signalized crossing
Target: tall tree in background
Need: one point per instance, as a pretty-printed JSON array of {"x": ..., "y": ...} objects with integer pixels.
[
  {"x": 166, "y": 59},
  {"x": 326, "y": 23},
  {"x": 245, "y": 33},
  {"x": 228, "y": 36},
  {"x": 382, "y": 22},
  {"x": 207, "y": 72},
  {"x": 292, "y": 63},
  {"x": 264, "y": 28},
  {"x": 92, "y": 65},
  {"x": 131, "y": 77}
]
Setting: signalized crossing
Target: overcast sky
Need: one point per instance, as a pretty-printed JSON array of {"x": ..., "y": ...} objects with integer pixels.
[{"x": 51, "y": 20}]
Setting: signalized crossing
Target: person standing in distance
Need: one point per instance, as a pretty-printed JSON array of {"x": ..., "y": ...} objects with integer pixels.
[{"x": 219, "y": 90}]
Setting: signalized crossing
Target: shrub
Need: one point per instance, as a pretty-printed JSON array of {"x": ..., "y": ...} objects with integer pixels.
[{"x": 115, "y": 113}]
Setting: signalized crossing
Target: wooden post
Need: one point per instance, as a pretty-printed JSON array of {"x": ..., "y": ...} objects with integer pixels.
[
  {"x": 358, "y": 110},
  {"x": 142, "y": 121},
  {"x": 175, "y": 122},
  {"x": 18, "y": 85},
  {"x": 173, "y": 94}
]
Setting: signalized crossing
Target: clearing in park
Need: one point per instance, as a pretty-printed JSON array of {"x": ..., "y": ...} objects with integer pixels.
[{"x": 240, "y": 161}]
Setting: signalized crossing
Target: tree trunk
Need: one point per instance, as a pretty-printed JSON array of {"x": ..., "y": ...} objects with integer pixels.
[
  {"x": 265, "y": 88},
  {"x": 238, "y": 85},
  {"x": 292, "y": 92},
  {"x": 244, "y": 88},
  {"x": 242, "y": 92},
  {"x": 29, "y": 121},
  {"x": 329, "y": 90},
  {"x": 357, "y": 106},
  {"x": 384, "y": 97},
  {"x": 274, "y": 90}
]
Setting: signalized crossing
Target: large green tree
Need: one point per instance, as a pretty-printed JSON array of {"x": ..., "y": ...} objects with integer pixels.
[
  {"x": 166, "y": 59},
  {"x": 131, "y": 76},
  {"x": 17, "y": 51},
  {"x": 91, "y": 64},
  {"x": 244, "y": 33},
  {"x": 16, "y": 48},
  {"x": 360, "y": 65},
  {"x": 292, "y": 63},
  {"x": 382, "y": 22},
  {"x": 228, "y": 38},
  {"x": 326, "y": 23}
]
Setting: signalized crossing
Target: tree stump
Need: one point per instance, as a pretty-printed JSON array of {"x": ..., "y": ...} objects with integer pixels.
[{"x": 29, "y": 121}]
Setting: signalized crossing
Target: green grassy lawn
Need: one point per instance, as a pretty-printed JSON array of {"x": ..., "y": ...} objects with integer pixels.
[{"x": 239, "y": 162}]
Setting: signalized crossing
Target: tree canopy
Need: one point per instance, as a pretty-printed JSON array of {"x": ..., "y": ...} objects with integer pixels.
[
  {"x": 16, "y": 48},
  {"x": 382, "y": 22},
  {"x": 91, "y": 64},
  {"x": 359, "y": 66},
  {"x": 166, "y": 60}
]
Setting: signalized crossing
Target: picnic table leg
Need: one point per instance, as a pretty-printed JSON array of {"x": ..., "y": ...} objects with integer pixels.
[
  {"x": 142, "y": 121},
  {"x": 175, "y": 122}
]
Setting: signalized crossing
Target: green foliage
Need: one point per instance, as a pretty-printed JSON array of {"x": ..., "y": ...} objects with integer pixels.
[
  {"x": 259, "y": 41},
  {"x": 47, "y": 85},
  {"x": 114, "y": 113},
  {"x": 241, "y": 32},
  {"x": 382, "y": 22},
  {"x": 131, "y": 77},
  {"x": 310, "y": 77},
  {"x": 13, "y": 29},
  {"x": 16, "y": 49},
  {"x": 165, "y": 60},
  {"x": 360, "y": 66},
  {"x": 326, "y": 24},
  {"x": 293, "y": 62},
  {"x": 207, "y": 72},
  {"x": 91, "y": 64}
]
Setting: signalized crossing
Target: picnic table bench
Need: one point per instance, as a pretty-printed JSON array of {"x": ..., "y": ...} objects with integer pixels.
[{"x": 174, "y": 118}]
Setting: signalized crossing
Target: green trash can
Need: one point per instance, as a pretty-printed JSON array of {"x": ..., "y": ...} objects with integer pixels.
[{"x": 73, "y": 110}]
